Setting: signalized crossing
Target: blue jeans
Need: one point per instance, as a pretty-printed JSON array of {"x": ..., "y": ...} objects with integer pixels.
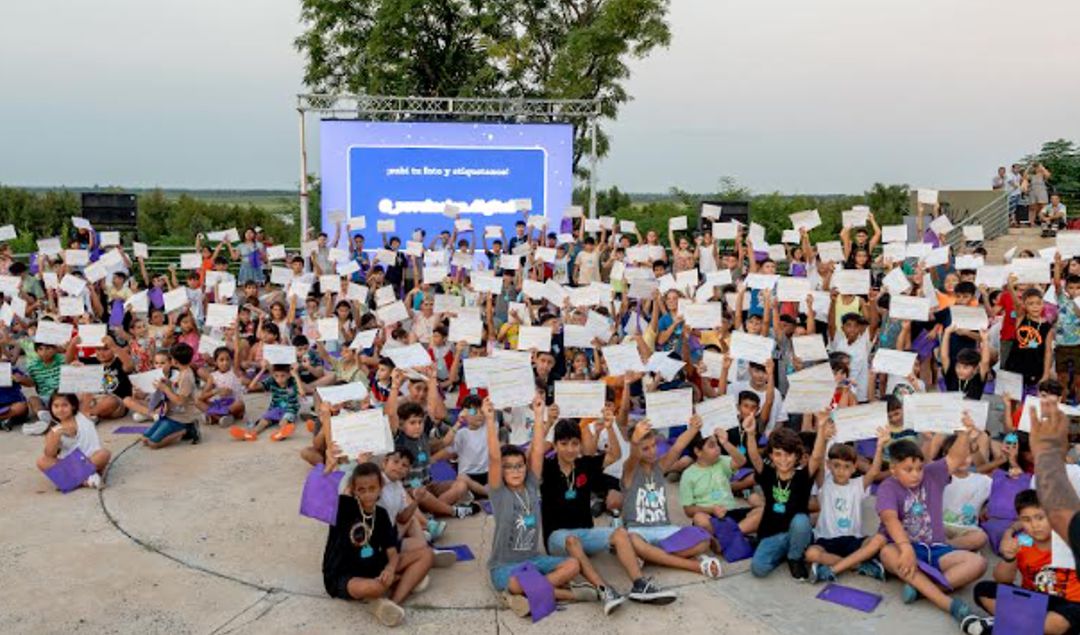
[{"x": 790, "y": 545}]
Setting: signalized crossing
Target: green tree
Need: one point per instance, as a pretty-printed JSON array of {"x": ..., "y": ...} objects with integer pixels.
[
  {"x": 572, "y": 49},
  {"x": 1062, "y": 158}
]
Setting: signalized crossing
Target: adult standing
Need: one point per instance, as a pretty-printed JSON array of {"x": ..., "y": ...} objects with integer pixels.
[
  {"x": 998, "y": 183},
  {"x": 1038, "y": 196},
  {"x": 251, "y": 256}
]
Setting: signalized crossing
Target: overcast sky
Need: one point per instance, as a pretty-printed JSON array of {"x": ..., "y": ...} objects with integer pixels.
[{"x": 795, "y": 95}]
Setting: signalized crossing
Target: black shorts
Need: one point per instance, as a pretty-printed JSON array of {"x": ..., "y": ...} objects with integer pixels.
[
  {"x": 842, "y": 546},
  {"x": 481, "y": 478},
  {"x": 987, "y": 589},
  {"x": 337, "y": 587},
  {"x": 601, "y": 486}
]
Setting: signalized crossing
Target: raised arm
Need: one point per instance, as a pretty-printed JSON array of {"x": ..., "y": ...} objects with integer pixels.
[
  {"x": 537, "y": 445},
  {"x": 494, "y": 450},
  {"x": 675, "y": 451}
]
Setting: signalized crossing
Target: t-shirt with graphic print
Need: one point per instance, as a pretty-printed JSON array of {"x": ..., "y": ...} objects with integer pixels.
[
  {"x": 708, "y": 485},
  {"x": 645, "y": 500},
  {"x": 919, "y": 509},
  {"x": 1027, "y": 356},
  {"x": 1067, "y": 331},
  {"x": 517, "y": 523},
  {"x": 783, "y": 499},
  {"x": 841, "y": 508},
  {"x": 964, "y": 499}
]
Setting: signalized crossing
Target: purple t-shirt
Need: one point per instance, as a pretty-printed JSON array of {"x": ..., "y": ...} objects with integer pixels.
[{"x": 919, "y": 509}]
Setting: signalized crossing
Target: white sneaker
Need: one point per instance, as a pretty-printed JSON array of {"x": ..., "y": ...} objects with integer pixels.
[
  {"x": 226, "y": 421},
  {"x": 35, "y": 428},
  {"x": 94, "y": 481},
  {"x": 139, "y": 417},
  {"x": 44, "y": 416}
]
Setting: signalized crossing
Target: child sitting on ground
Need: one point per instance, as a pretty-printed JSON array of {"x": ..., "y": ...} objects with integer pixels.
[
  {"x": 705, "y": 488},
  {"x": 361, "y": 560},
  {"x": 962, "y": 504},
  {"x": 285, "y": 387},
  {"x": 72, "y": 431},
  {"x": 784, "y": 529},
  {"x": 467, "y": 443},
  {"x": 910, "y": 506},
  {"x": 839, "y": 544},
  {"x": 1028, "y": 553},
  {"x": 645, "y": 512},
  {"x": 223, "y": 398},
  {"x": 177, "y": 416}
]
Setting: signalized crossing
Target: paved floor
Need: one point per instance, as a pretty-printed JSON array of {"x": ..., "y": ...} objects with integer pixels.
[{"x": 207, "y": 539}]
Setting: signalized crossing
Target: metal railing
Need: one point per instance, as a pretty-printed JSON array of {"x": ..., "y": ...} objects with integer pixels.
[{"x": 994, "y": 218}]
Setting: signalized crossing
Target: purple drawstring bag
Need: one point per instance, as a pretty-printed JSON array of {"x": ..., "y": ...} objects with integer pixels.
[{"x": 156, "y": 297}]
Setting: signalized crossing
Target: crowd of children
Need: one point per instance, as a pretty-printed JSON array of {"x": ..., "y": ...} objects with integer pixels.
[{"x": 570, "y": 375}]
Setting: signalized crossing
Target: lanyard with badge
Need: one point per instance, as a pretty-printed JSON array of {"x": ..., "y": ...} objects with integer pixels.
[{"x": 361, "y": 534}]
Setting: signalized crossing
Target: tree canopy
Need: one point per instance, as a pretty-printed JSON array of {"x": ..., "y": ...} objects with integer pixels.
[{"x": 571, "y": 49}]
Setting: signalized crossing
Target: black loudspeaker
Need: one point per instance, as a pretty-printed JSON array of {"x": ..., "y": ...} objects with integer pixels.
[
  {"x": 729, "y": 211},
  {"x": 110, "y": 211}
]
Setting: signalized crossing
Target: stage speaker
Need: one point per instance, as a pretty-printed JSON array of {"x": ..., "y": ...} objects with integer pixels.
[{"x": 110, "y": 211}]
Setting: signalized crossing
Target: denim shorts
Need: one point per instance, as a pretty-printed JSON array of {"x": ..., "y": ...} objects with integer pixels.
[
  {"x": 165, "y": 427},
  {"x": 653, "y": 535},
  {"x": 932, "y": 553},
  {"x": 500, "y": 576},
  {"x": 593, "y": 541}
]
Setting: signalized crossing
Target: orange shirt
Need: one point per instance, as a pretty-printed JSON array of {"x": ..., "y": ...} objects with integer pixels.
[{"x": 1036, "y": 574}]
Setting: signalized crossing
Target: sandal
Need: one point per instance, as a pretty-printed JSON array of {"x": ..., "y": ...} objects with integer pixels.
[
  {"x": 518, "y": 604},
  {"x": 710, "y": 567},
  {"x": 285, "y": 432},
  {"x": 237, "y": 433},
  {"x": 388, "y": 613}
]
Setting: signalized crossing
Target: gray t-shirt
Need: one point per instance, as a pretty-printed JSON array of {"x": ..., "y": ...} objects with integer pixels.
[
  {"x": 645, "y": 502},
  {"x": 517, "y": 523}
]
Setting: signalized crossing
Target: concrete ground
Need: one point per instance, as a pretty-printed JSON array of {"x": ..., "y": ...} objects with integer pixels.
[{"x": 207, "y": 539}]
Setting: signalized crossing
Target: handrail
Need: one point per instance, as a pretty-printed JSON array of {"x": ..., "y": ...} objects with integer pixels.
[{"x": 993, "y": 217}]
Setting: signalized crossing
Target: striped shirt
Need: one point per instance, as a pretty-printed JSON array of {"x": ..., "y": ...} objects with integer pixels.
[
  {"x": 287, "y": 398},
  {"x": 46, "y": 376}
]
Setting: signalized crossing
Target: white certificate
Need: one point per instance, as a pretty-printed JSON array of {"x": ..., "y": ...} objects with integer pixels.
[
  {"x": 190, "y": 261},
  {"x": 793, "y": 289},
  {"x": 809, "y": 395},
  {"x": 574, "y": 211},
  {"x": 896, "y": 282},
  {"x": 384, "y": 295},
  {"x": 937, "y": 257},
  {"x": 220, "y": 315},
  {"x": 790, "y": 237},
  {"x": 141, "y": 250},
  {"x": 328, "y": 329},
  {"x": 76, "y": 257},
  {"x": 93, "y": 335},
  {"x": 941, "y": 225},
  {"x": 385, "y": 226},
  {"x": 446, "y": 303},
  {"x": 754, "y": 348},
  {"x": 364, "y": 339},
  {"x": 357, "y": 433},
  {"x": 355, "y": 391},
  {"x": 703, "y": 316},
  {"x": 808, "y": 219},
  {"x": 347, "y": 268},
  {"x": 992, "y": 276},
  {"x": 725, "y": 231},
  {"x": 809, "y": 348},
  {"x": 919, "y": 250},
  {"x": 7, "y": 232},
  {"x": 411, "y": 356},
  {"x": 54, "y": 333},
  {"x": 822, "y": 300},
  {"x": 927, "y": 197},
  {"x": 486, "y": 282},
  {"x": 714, "y": 364},
  {"x": 72, "y": 285},
  {"x": 392, "y": 313},
  {"x": 464, "y": 329},
  {"x": 627, "y": 226},
  {"x": 387, "y": 257},
  {"x": 855, "y": 218},
  {"x": 175, "y": 299},
  {"x": 577, "y": 336},
  {"x": 435, "y": 275},
  {"x": 1068, "y": 244},
  {"x": 933, "y": 412},
  {"x": 463, "y": 225},
  {"x": 972, "y": 318},
  {"x": 145, "y": 381},
  {"x": 279, "y": 354},
  {"x": 756, "y": 235},
  {"x": 894, "y": 252},
  {"x": 208, "y": 344},
  {"x": 907, "y": 307},
  {"x": 508, "y": 261},
  {"x": 538, "y": 337},
  {"x": 894, "y": 234},
  {"x": 5, "y": 374},
  {"x": 860, "y": 422},
  {"x": 664, "y": 365},
  {"x": 667, "y": 408},
  {"x": 852, "y": 281},
  {"x": 79, "y": 379},
  {"x": 1008, "y": 384},
  {"x": 761, "y": 281},
  {"x": 109, "y": 239},
  {"x": 622, "y": 359},
  {"x": 893, "y": 362},
  {"x": 330, "y": 283},
  {"x": 49, "y": 246},
  {"x": 71, "y": 306},
  {"x": 830, "y": 251},
  {"x": 677, "y": 223},
  {"x": 973, "y": 233},
  {"x": 817, "y": 372},
  {"x": 1031, "y": 270},
  {"x": 281, "y": 276},
  {"x": 580, "y": 399},
  {"x": 357, "y": 222},
  {"x": 511, "y": 385},
  {"x": 712, "y": 212},
  {"x": 717, "y": 414}
]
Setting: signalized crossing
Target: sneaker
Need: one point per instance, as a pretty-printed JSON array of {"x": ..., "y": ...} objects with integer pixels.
[
  {"x": 94, "y": 481},
  {"x": 44, "y": 416},
  {"x": 872, "y": 569},
  {"x": 597, "y": 508},
  {"x": 821, "y": 573},
  {"x": 908, "y": 594},
  {"x": 226, "y": 421},
  {"x": 464, "y": 511},
  {"x": 310, "y": 424},
  {"x": 798, "y": 570},
  {"x": 422, "y": 585},
  {"x": 139, "y": 417},
  {"x": 237, "y": 433},
  {"x": 960, "y": 610},
  {"x": 444, "y": 558},
  {"x": 285, "y": 432},
  {"x": 388, "y": 613},
  {"x": 611, "y": 599},
  {"x": 585, "y": 592},
  {"x": 975, "y": 625},
  {"x": 517, "y": 604},
  {"x": 435, "y": 529},
  {"x": 35, "y": 427},
  {"x": 648, "y": 592}
]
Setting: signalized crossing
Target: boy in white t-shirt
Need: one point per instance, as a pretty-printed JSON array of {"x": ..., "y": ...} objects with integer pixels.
[
  {"x": 838, "y": 541},
  {"x": 962, "y": 502},
  {"x": 854, "y": 340},
  {"x": 467, "y": 442}
]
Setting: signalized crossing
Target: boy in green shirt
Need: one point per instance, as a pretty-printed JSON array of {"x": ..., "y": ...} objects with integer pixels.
[{"x": 705, "y": 488}]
